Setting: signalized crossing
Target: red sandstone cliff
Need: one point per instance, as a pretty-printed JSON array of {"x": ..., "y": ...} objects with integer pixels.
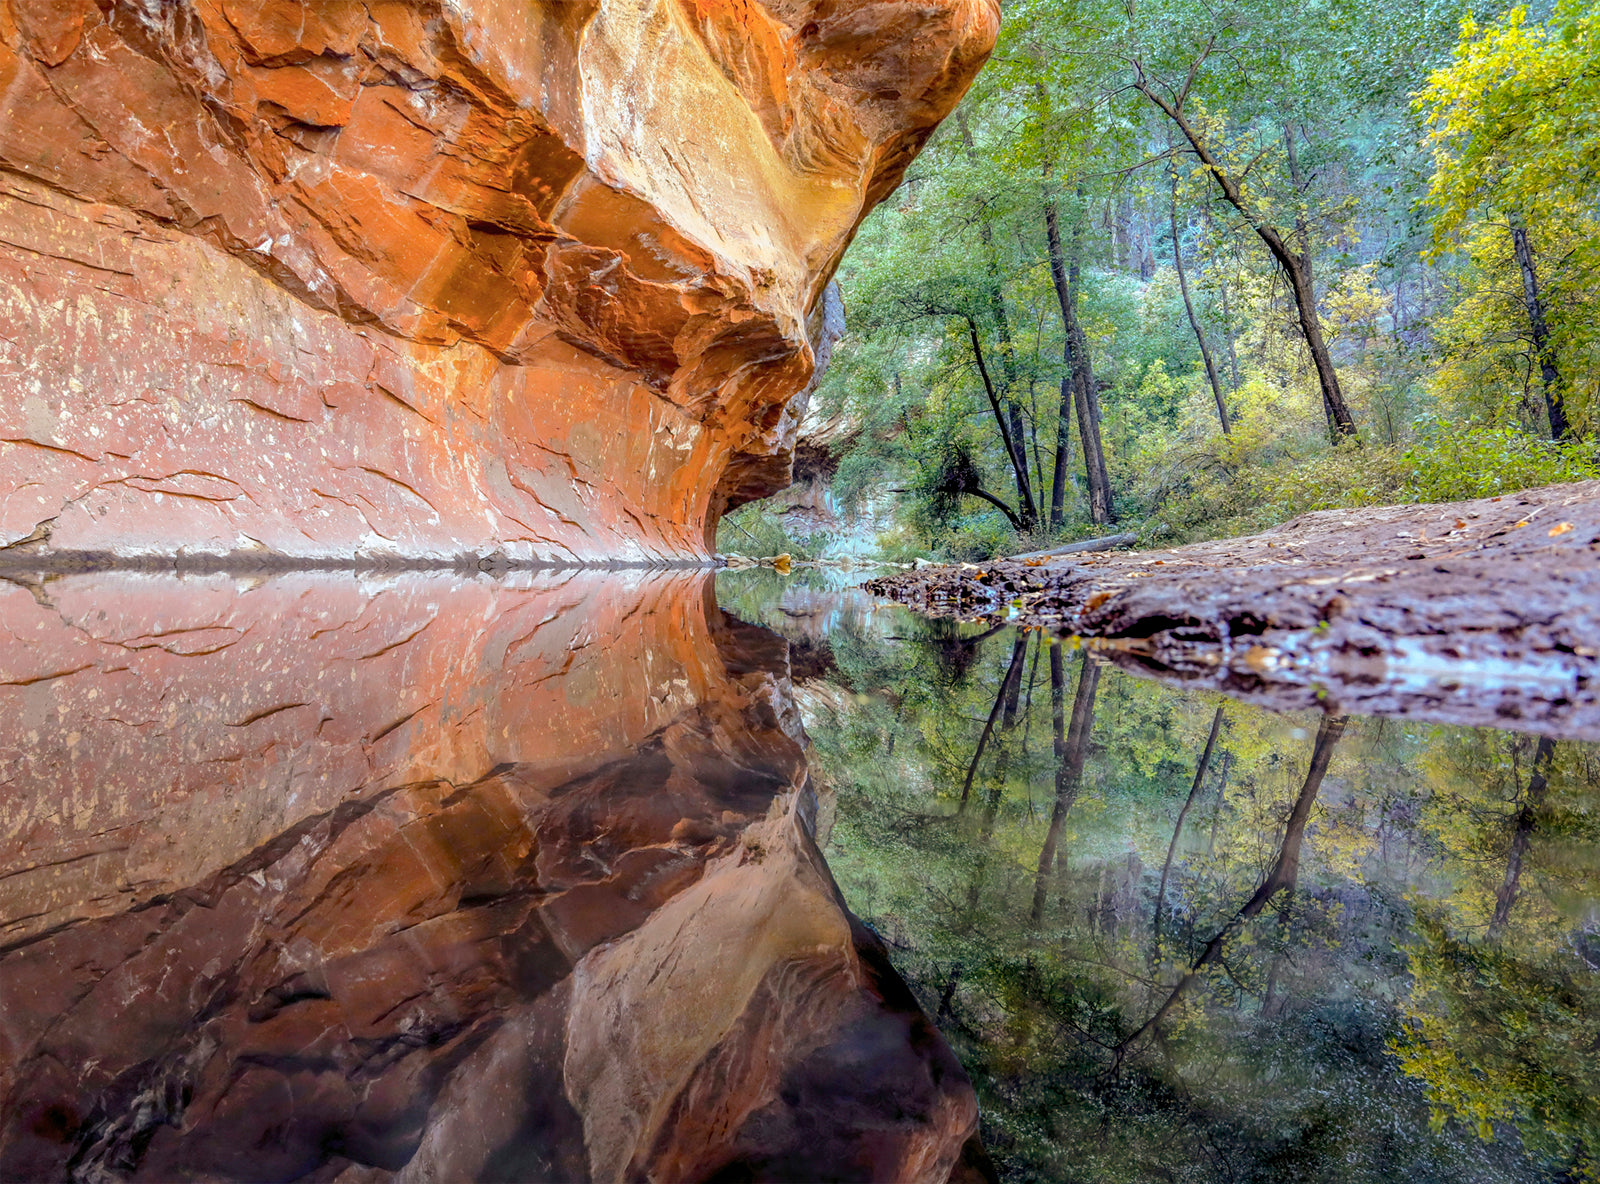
[{"x": 431, "y": 278}]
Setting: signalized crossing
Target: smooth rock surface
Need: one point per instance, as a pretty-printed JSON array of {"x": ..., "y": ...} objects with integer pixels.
[
  {"x": 514, "y": 883},
  {"x": 323, "y": 278}
]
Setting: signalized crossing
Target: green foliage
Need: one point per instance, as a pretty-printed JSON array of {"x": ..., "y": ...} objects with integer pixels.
[
  {"x": 1419, "y": 139},
  {"x": 1450, "y": 462},
  {"x": 1338, "y": 1022},
  {"x": 1503, "y": 1011},
  {"x": 1514, "y": 129},
  {"x": 1515, "y": 118},
  {"x": 1247, "y": 483},
  {"x": 752, "y": 530},
  {"x": 1501, "y": 1039}
]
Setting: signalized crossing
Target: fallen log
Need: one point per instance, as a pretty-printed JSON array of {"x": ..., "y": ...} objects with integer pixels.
[{"x": 1110, "y": 543}]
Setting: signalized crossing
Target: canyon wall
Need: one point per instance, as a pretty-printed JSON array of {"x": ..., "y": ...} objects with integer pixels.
[
  {"x": 432, "y": 279},
  {"x": 433, "y": 879}
]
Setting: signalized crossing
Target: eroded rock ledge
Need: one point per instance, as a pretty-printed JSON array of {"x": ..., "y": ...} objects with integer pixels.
[
  {"x": 1481, "y": 612},
  {"x": 401, "y": 278}
]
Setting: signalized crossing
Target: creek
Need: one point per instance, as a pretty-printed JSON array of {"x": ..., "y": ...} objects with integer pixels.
[{"x": 602, "y": 876}]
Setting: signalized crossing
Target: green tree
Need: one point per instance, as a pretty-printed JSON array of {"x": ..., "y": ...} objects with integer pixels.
[{"x": 1514, "y": 126}]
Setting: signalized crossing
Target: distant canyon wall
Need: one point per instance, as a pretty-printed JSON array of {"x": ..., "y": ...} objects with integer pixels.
[{"x": 402, "y": 278}]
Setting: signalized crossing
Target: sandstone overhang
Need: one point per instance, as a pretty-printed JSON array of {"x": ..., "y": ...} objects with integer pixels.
[{"x": 330, "y": 279}]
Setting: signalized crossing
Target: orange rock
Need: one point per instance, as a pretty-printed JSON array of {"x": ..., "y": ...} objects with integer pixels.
[{"x": 408, "y": 279}]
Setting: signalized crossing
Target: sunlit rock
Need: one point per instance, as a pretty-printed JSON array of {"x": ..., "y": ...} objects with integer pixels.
[{"x": 402, "y": 278}]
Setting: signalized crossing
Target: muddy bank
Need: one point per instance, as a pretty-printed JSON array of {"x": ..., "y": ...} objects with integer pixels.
[{"x": 1483, "y": 612}]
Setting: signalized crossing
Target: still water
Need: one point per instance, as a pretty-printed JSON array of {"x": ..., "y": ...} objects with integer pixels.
[{"x": 625, "y": 876}]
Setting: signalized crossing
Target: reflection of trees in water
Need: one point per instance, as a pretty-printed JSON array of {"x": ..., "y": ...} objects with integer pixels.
[
  {"x": 1071, "y": 749},
  {"x": 1005, "y": 698},
  {"x": 1283, "y": 877},
  {"x": 1503, "y": 1016},
  {"x": 1522, "y": 835},
  {"x": 1200, "y": 768},
  {"x": 1177, "y": 942}
]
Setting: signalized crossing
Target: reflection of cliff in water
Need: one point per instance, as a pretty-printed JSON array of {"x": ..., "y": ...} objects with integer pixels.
[{"x": 446, "y": 879}]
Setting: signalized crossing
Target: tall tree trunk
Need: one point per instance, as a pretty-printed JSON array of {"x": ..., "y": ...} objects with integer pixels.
[
  {"x": 1542, "y": 348},
  {"x": 1522, "y": 834},
  {"x": 947, "y": 996},
  {"x": 1194, "y": 791},
  {"x": 1339, "y": 420},
  {"x": 1194, "y": 321},
  {"x": 1060, "y": 472},
  {"x": 1295, "y": 264},
  {"x": 1059, "y": 475},
  {"x": 1033, "y": 437},
  {"x": 1088, "y": 386},
  {"x": 1284, "y": 875},
  {"x": 1002, "y": 323},
  {"x": 1075, "y": 353},
  {"x": 1027, "y": 516},
  {"x": 1008, "y": 364},
  {"x": 1071, "y": 749},
  {"x": 1069, "y": 380}
]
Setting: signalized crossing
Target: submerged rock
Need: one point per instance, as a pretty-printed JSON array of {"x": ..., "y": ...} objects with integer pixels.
[{"x": 398, "y": 278}]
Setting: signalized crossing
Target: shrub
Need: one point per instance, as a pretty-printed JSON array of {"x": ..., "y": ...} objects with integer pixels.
[
  {"x": 1348, "y": 474},
  {"x": 751, "y": 530},
  {"x": 1451, "y": 462}
]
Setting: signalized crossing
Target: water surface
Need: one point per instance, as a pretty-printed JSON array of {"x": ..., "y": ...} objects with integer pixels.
[
  {"x": 614, "y": 876},
  {"x": 1178, "y": 937}
]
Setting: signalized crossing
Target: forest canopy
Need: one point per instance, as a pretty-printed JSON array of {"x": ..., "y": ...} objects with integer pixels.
[{"x": 1192, "y": 269}]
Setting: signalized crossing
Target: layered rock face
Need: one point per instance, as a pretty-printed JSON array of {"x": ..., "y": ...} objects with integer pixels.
[
  {"x": 520, "y": 883},
  {"x": 324, "y": 278}
]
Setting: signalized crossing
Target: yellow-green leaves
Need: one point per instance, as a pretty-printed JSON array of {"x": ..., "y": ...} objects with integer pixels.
[
  {"x": 1514, "y": 130},
  {"x": 1514, "y": 120}
]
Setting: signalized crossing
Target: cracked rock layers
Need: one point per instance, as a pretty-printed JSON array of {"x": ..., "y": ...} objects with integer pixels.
[{"x": 395, "y": 278}]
